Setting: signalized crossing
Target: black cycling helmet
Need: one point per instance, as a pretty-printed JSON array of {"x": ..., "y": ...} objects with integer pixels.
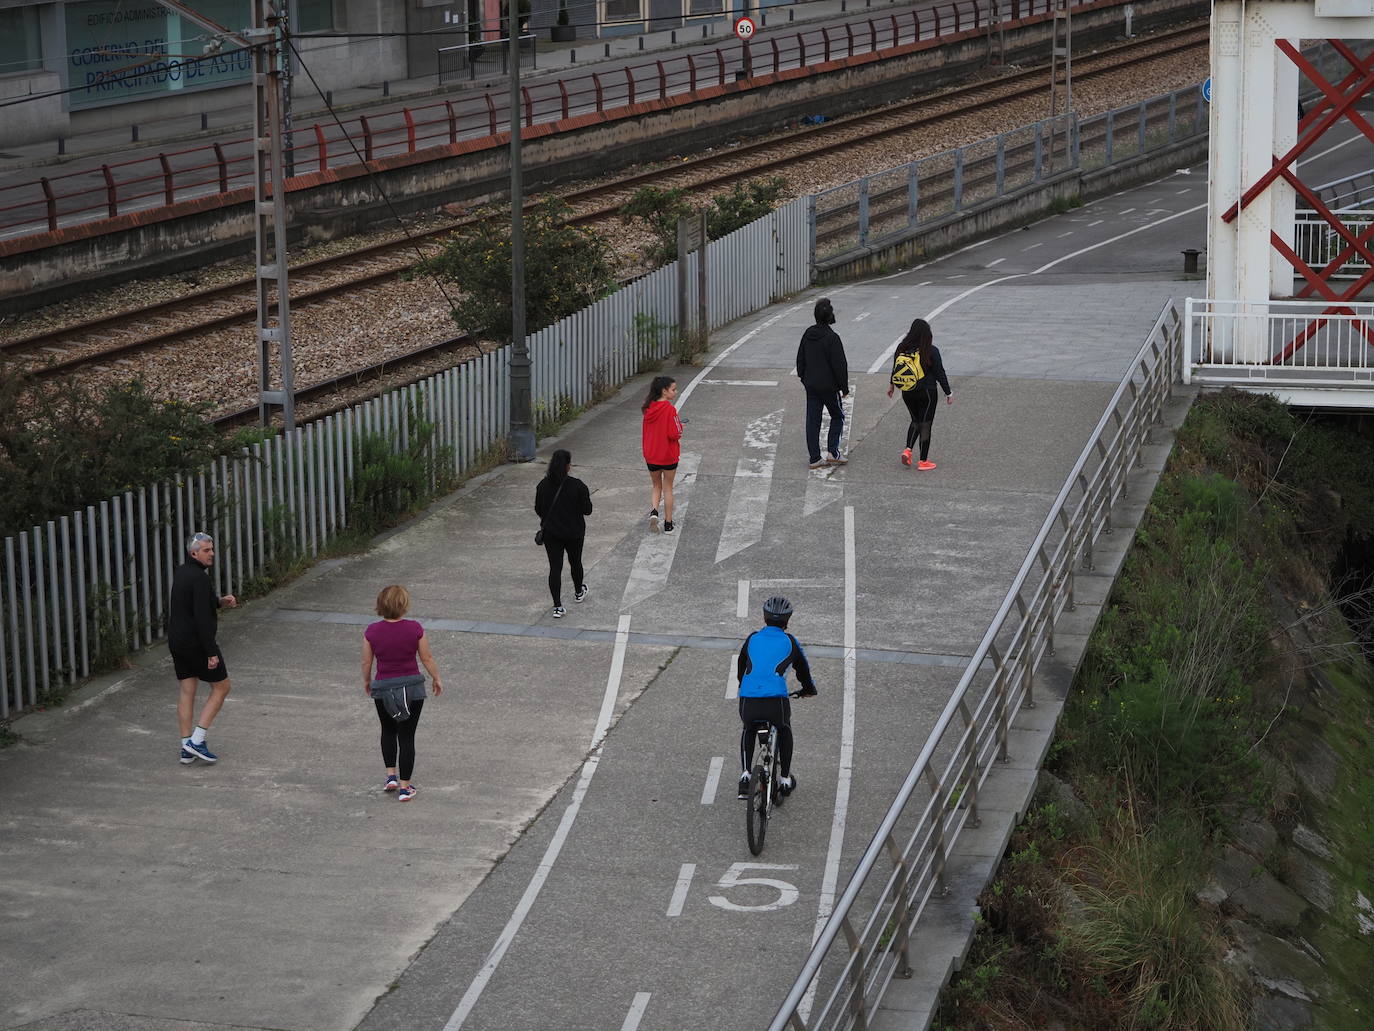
[{"x": 777, "y": 610}]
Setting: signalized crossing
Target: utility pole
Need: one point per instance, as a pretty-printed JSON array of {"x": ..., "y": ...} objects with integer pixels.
[
  {"x": 522, "y": 441},
  {"x": 269, "y": 206},
  {"x": 1061, "y": 80},
  {"x": 265, "y": 39}
]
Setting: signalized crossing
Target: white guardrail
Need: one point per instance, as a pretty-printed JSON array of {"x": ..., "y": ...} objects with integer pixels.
[
  {"x": 865, "y": 942},
  {"x": 1279, "y": 344}
]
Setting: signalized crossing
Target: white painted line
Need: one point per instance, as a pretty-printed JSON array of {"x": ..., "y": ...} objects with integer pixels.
[
  {"x": 72, "y": 710},
  {"x": 748, "y": 504},
  {"x": 686, "y": 392},
  {"x": 684, "y": 882},
  {"x": 1032, "y": 247},
  {"x": 1120, "y": 236},
  {"x": 961, "y": 275},
  {"x": 654, "y": 560},
  {"x": 1126, "y": 212},
  {"x": 830, "y": 879},
  {"x": 862, "y": 315},
  {"x": 1097, "y": 223},
  {"x": 925, "y": 282},
  {"x": 1180, "y": 193},
  {"x": 995, "y": 261},
  {"x": 740, "y": 382},
  {"x": 560, "y": 836},
  {"x": 708, "y": 791},
  {"x": 1062, "y": 235},
  {"x": 742, "y": 599},
  {"x": 732, "y": 678},
  {"x": 636, "y": 1013}
]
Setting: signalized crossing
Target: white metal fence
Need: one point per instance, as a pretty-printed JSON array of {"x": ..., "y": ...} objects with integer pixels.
[
  {"x": 1276, "y": 344},
  {"x": 605, "y": 344},
  {"x": 80, "y": 590},
  {"x": 866, "y": 940}
]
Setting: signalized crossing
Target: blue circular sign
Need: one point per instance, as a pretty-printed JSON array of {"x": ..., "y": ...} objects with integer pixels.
[{"x": 1207, "y": 89}]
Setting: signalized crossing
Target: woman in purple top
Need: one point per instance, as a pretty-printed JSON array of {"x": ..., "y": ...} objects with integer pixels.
[{"x": 394, "y": 643}]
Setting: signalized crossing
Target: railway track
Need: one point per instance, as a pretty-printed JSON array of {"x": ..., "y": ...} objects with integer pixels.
[{"x": 113, "y": 339}]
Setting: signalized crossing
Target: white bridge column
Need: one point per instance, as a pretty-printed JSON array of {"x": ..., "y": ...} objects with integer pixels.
[{"x": 1283, "y": 197}]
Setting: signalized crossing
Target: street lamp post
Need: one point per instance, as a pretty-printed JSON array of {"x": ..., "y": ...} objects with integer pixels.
[{"x": 522, "y": 440}]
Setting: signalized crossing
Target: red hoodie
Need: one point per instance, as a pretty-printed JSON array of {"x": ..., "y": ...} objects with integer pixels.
[{"x": 662, "y": 431}]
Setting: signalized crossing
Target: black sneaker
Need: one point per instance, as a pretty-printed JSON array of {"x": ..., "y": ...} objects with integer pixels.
[
  {"x": 653, "y": 520},
  {"x": 581, "y": 594},
  {"x": 743, "y": 786},
  {"x": 787, "y": 785},
  {"x": 668, "y": 526}
]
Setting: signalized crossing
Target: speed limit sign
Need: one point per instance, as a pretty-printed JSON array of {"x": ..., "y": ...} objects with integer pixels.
[{"x": 744, "y": 28}]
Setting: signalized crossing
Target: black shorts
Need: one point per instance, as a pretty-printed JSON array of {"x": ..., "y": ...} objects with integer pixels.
[
  {"x": 775, "y": 709},
  {"x": 660, "y": 468},
  {"x": 193, "y": 664}
]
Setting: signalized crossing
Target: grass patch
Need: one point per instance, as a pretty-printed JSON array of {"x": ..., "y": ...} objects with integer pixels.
[{"x": 1182, "y": 711}]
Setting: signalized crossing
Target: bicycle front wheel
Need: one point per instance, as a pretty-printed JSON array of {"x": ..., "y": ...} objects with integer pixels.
[{"x": 756, "y": 812}]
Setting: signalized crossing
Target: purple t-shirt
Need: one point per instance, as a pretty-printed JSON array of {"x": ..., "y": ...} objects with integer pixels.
[{"x": 394, "y": 645}]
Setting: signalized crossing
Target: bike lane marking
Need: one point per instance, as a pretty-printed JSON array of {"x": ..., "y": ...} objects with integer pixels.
[
  {"x": 680, "y": 889},
  {"x": 654, "y": 560},
  {"x": 541, "y": 873},
  {"x": 708, "y": 791},
  {"x": 636, "y": 1013},
  {"x": 749, "y": 491},
  {"x": 845, "y": 767}
]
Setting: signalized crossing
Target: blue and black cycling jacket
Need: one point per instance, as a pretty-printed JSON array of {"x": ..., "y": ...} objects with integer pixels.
[{"x": 763, "y": 664}]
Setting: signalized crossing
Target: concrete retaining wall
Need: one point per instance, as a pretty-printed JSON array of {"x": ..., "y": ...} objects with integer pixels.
[
  {"x": 42, "y": 269},
  {"x": 992, "y": 216}
]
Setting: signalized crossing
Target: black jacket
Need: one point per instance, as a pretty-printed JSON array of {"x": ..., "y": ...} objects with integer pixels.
[
  {"x": 567, "y": 518},
  {"x": 192, "y": 611},
  {"x": 821, "y": 363}
]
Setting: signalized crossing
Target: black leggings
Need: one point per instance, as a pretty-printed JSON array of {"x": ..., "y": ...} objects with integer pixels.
[
  {"x": 555, "y": 546},
  {"x": 776, "y": 710},
  {"x": 399, "y": 734},
  {"x": 922, "y": 406}
]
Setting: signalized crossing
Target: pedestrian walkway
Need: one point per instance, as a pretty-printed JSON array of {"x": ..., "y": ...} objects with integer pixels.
[{"x": 576, "y": 857}]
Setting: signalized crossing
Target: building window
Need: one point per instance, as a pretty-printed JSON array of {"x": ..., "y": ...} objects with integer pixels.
[
  {"x": 314, "y": 16},
  {"x": 21, "y": 46},
  {"x": 623, "y": 10},
  {"x": 696, "y": 8}
]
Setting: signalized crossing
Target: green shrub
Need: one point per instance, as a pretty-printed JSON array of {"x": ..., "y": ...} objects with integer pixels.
[
  {"x": 65, "y": 444},
  {"x": 390, "y": 481},
  {"x": 567, "y": 268},
  {"x": 659, "y": 210}
]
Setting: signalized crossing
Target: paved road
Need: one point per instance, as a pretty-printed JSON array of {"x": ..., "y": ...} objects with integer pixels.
[{"x": 553, "y": 874}]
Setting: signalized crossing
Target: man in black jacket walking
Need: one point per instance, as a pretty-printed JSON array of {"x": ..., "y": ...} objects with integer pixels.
[
  {"x": 824, "y": 371},
  {"x": 191, "y": 623}
]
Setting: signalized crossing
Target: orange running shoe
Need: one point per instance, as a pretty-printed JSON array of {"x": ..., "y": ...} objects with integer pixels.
[
  {"x": 923, "y": 464},
  {"x": 906, "y": 457}
]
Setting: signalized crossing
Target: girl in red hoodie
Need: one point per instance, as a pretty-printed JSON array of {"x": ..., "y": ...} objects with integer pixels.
[{"x": 662, "y": 431}]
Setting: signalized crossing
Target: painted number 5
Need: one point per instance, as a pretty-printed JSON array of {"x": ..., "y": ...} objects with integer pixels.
[{"x": 734, "y": 878}]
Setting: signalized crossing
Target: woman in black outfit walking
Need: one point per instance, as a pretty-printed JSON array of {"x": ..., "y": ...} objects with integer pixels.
[
  {"x": 916, "y": 368},
  {"x": 562, "y": 503}
]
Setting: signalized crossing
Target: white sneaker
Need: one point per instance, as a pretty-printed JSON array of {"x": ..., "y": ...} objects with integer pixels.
[
  {"x": 581, "y": 594},
  {"x": 787, "y": 785},
  {"x": 559, "y": 612},
  {"x": 743, "y": 786}
]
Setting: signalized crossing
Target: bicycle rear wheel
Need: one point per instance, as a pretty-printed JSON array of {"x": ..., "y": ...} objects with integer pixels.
[{"x": 756, "y": 812}]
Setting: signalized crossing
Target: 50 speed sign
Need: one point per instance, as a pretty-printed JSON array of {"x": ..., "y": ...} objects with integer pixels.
[{"x": 744, "y": 28}]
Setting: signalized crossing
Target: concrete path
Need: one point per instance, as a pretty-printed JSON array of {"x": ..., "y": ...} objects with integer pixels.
[{"x": 576, "y": 858}]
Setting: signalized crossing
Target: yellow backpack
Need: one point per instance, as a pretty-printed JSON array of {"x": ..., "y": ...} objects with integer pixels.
[{"x": 907, "y": 371}]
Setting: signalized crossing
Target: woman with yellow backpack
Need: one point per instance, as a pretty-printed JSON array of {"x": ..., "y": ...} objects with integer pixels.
[{"x": 916, "y": 370}]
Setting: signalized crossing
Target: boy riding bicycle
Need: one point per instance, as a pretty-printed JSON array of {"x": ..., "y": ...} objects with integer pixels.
[{"x": 763, "y": 695}]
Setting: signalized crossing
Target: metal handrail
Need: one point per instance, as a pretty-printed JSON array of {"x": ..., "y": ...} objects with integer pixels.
[{"x": 1100, "y": 475}]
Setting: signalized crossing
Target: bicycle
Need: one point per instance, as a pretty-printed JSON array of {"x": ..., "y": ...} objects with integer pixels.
[{"x": 764, "y": 790}]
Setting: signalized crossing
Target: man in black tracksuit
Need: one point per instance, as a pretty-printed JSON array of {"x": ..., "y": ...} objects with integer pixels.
[
  {"x": 824, "y": 372},
  {"x": 191, "y": 622}
]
